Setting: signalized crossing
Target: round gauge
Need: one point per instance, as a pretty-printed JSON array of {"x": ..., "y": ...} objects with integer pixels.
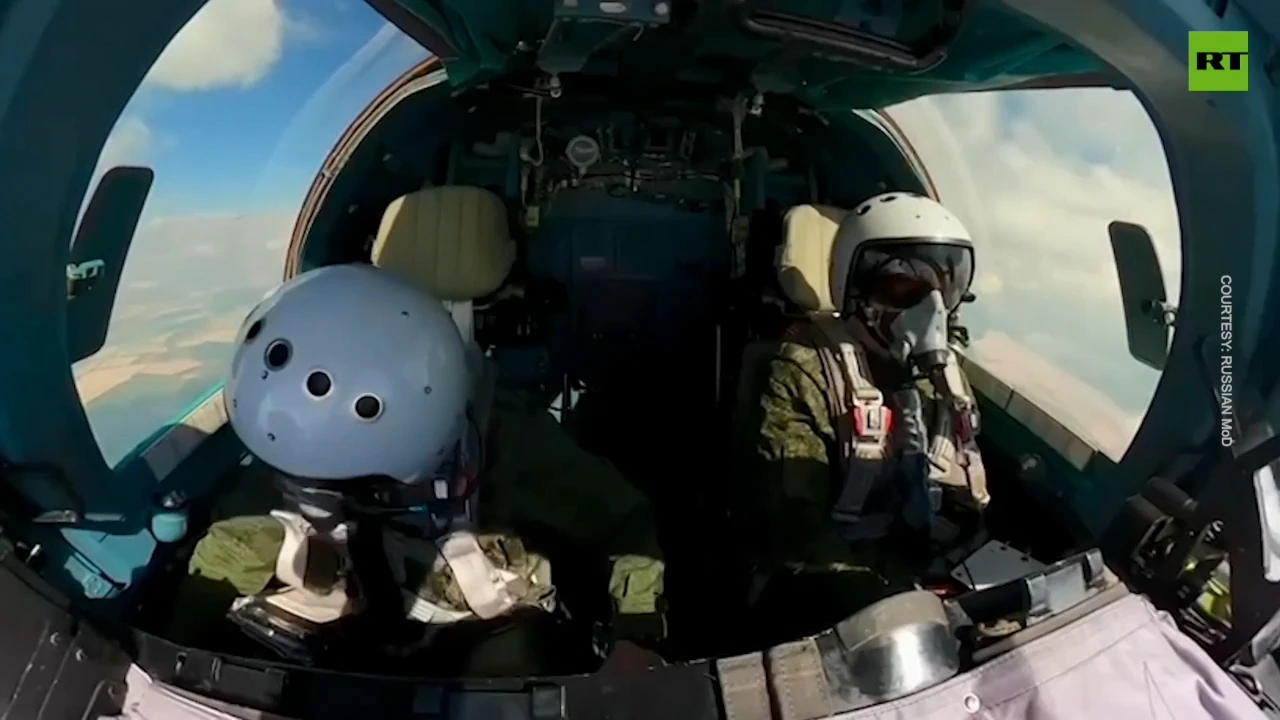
[{"x": 583, "y": 152}]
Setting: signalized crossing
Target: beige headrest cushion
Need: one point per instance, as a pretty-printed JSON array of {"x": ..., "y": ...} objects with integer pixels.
[
  {"x": 451, "y": 241},
  {"x": 804, "y": 268}
]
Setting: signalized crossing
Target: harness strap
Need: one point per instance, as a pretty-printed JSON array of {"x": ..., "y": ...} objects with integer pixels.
[
  {"x": 953, "y": 450},
  {"x": 291, "y": 562},
  {"x": 864, "y": 422},
  {"x": 861, "y": 419},
  {"x": 309, "y": 559},
  {"x": 310, "y": 572},
  {"x": 798, "y": 680},
  {"x": 481, "y": 584},
  {"x": 744, "y": 687},
  {"x": 486, "y": 585}
]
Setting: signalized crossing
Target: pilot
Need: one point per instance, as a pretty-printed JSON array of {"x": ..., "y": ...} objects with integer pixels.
[
  {"x": 865, "y": 422},
  {"x": 402, "y": 496}
]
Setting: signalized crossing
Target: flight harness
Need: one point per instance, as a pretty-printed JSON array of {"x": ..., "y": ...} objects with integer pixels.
[
  {"x": 445, "y": 576},
  {"x": 469, "y": 575},
  {"x": 876, "y": 437}
]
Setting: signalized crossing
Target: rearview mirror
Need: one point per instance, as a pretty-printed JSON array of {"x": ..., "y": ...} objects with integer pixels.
[
  {"x": 97, "y": 255},
  {"x": 1147, "y": 312}
]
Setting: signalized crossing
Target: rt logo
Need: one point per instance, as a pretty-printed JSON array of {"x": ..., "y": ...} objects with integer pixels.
[{"x": 1218, "y": 61}]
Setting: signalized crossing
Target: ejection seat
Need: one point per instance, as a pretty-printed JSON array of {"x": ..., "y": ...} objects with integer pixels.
[
  {"x": 804, "y": 276},
  {"x": 454, "y": 243}
]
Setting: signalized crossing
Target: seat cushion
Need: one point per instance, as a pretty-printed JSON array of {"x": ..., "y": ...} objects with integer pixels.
[
  {"x": 804, "y": 267},
  {"x": 451, "y": 241}
]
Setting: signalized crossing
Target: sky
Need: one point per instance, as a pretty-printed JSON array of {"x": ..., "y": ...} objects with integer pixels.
[
  {"x": 235, "y": 118},
  {"x": 237, "y": 112},
  {"x": 241, "y": 108},
  {"x": 1036, "y": 176}
]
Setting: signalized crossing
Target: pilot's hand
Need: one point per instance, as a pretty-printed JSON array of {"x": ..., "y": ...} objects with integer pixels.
[{"x": 627, "y": 657}]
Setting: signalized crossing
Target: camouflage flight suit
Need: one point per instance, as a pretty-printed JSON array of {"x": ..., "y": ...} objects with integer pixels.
[
  {"x": 537, "y": 478},
  {"x": 793, "y": 464}
]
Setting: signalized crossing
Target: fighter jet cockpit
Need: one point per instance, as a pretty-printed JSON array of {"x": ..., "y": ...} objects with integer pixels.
[
  {"x": 614, "y": 360},
  {"x": 710, "y": 370}
]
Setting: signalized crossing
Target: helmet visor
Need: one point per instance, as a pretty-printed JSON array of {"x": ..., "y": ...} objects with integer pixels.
[{"x": 899, "y": 274}]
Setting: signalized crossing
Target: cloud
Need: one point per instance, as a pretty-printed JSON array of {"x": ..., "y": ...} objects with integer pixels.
[
  {"x": 1071, "y": 401},
  {"x": 129, "y": 143},
  {"x": 988, "y": 284},
  {"x": 188, "y": 282},
  {"x": 300, "y": 26},
  {"x": 1040, "y": 173},
  {"x": 320, "y": 121},
  {"x": 1037, "y": 175},
  {"x": 229, "y": 43},
  {"x": 184, "y": 271}
]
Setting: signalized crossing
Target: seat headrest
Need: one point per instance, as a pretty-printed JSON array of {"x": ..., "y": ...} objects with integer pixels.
[
  {"x": 451, "y": 241},
  {"x": 804, "y": 267}
]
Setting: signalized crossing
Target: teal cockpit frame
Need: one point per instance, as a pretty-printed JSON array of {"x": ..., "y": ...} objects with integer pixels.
[{"x": 68, "y": 67}]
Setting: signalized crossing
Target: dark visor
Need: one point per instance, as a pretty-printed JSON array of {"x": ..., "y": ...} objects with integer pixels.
[{"x": 898, "y": 274}]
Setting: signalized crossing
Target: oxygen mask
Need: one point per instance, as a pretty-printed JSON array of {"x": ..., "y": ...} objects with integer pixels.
[
  {"x": 918, "y": 334},
  {"x": 909, "y": 290}
]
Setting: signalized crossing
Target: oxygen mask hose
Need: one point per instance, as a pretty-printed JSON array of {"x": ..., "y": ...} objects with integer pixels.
[{"x": 920, "y": 338}]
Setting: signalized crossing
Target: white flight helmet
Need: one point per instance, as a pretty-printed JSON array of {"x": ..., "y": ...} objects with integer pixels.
[
  {"x": 347, "y": 372},
  {"x": 891, "y": 250}
]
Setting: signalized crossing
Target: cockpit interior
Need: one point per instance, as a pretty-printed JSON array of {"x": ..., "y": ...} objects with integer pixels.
[
  {"x": 633, "y": 258},
  {"x": 628, "y": 211}
]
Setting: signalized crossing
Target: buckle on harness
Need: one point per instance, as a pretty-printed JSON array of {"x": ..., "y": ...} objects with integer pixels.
[
  {"x": 871, "y": 422},
  {"x": 965, "y": 423}
]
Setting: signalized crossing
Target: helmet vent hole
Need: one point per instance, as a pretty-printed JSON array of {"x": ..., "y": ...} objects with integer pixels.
[
  {"x": 254, "y": 331},
  {"x": 862, "y": 210},
  {"x": 368, "y": 407},
  {"x": 888, "y": 198},
  {"x": 278, "y": 354},
  {"x": 319, "y": 384},
  {"x": 404, "y": 313}
]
